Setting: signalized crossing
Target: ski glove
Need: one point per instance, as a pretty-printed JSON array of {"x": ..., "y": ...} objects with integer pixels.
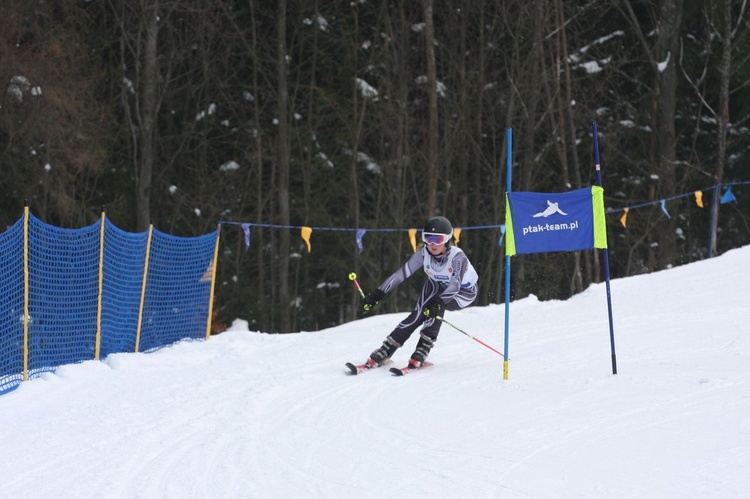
[
  {"x": 434, "y": 308},
  {"x": 373, "y": 299}
]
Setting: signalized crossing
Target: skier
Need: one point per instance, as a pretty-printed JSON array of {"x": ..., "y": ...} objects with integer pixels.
[{"x": 451, "y": 284}]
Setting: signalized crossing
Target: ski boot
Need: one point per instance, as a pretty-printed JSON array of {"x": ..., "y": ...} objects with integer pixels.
[
  {"x": 424, "y": 346},
  {"x": 383, "y": 353}
]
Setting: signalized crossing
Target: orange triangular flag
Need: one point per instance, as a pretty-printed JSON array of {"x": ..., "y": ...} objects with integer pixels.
[
  {"x": 624, "y": 218},
  {"x": 306, "y": 233},
  {"x": 456, "y": 235},
  {"x": 413, "y": 239},
  {"x": 699, "y": 198}
]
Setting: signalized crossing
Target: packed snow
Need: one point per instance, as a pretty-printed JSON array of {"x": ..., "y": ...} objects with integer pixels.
[{"x": 253, "y": 415}]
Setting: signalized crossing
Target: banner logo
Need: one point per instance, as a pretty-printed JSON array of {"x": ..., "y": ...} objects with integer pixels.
[{"x": 551, "y": 210}]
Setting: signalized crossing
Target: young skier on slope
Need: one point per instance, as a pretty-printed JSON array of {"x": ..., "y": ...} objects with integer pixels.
[{"x": 451, "y": 284}]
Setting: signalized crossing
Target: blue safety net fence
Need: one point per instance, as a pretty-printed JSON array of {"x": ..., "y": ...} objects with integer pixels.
[
  {"x": 85, "y": 290},
  {"x": 11, "y": 311}
]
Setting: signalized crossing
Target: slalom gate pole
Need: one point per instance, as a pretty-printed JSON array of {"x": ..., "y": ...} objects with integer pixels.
[
  {"x": 470, "y": 336},
  {"x": 605, "y": 254},
  {"x": 353, "y": 277},
  {"x": 509, "y": 188}
]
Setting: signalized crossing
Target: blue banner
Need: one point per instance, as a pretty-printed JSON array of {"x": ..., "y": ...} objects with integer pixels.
[{"x": 540, "y": 222}]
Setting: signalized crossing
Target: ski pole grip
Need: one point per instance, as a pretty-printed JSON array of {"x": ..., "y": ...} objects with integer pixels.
[{"x": 353, "y": 277}]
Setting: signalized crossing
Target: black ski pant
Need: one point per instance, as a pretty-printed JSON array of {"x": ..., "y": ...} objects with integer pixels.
[{"x": 417, "y": 318}]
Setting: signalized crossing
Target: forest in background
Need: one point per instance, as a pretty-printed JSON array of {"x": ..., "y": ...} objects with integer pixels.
[{"x": 375, "y": 115}]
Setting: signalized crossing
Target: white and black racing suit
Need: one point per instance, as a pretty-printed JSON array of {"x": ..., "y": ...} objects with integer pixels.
[{"x": 450, "y": 278}]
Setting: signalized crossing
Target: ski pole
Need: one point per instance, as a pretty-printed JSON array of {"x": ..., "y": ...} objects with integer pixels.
[
  {"x": 353, "y": 277},
  {"x": 470, "y": 336}
]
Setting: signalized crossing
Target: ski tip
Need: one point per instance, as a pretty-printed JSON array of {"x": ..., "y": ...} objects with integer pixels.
[
  {"x": 359, "y": 369},
  {"x": 403, "y": 371}
]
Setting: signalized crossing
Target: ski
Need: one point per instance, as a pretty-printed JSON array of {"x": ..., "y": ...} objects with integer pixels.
[
  {"x": 359, "y": 369},
  {"x": 403, "y": 371}
]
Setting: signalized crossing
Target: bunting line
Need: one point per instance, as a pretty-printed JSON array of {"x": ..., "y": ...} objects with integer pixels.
[
  {"x": 342, "y": 229},
  {"x": 698, "y": 198},
  {"x": 306, "y": 231}
]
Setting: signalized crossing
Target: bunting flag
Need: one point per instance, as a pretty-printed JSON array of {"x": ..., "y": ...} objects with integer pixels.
[
  {"x": 456, "y": 235},
  {"x": 502, "y": 235},
  {"x": 624, "y": 218},
  {"x": 664, "y": 208},
  {"x": 540, "y": 222},
  {"x": 728, "y": 197},
  {"x": 306, "y": 232},
  {"x": 360, "y": 235},
  {"x": 208, "y": 274},
  {"x": 413, "y": 239},
  {"x": 699, "y": 198},
  {"x": 246, "y": 230}
]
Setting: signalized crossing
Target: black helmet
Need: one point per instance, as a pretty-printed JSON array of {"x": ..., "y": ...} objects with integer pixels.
[{"x": 437, "y": 226}]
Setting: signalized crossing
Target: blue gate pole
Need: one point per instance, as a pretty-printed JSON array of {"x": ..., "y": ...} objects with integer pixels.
[
  {"x": 509, "y": 188},
  {"x": 606, "y": 256}
]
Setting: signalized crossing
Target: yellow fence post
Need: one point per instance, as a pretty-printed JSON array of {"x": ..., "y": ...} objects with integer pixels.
[
  {"x": 101, "y": 290},
  {"x": 143, "y": 287},
  {"x": 25, "y": 292},
  {"x": 213, "y": 283}
]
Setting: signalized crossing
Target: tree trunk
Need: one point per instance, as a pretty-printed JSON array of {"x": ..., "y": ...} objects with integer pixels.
[
  {"x": 723, "y": 119},
  {"x": 531, "y": 84},
  {"x": 148, "y": 112},
  {"x": 284, "y": 154},
  {"x": 432, "y": 130},
  {"x": 668, "y": 48}
]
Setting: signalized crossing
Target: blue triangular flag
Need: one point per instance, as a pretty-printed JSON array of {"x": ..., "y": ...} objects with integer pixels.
[
  {"x": 728, "y": 197},
  {"x": 360, "y": 235},
  {"x": 664, "y": 208},
  {"x": 246, "y": 230}
]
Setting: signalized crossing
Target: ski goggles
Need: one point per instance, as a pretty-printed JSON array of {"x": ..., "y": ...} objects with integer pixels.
[{"x": 434, "y": 238}]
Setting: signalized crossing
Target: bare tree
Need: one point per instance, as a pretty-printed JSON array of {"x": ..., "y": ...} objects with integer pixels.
[
  {"x": 147, "y": 114},
  {"x": 54, "y": 127},
  {"x": 730, "y": 31},
  {"x": 663, "y": 58},
  {"x": 529, "y": 86},
  {"x": 283, "y": 165},
  {"x": 432, "y": 128},
  {"x": 142, "y": 90}
]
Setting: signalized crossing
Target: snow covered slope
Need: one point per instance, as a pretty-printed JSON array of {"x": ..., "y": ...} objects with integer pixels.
[{"x": 252, "y": 415}]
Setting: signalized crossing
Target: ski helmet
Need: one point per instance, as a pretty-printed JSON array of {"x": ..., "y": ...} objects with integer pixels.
[{"x": 435, "y": 228}]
